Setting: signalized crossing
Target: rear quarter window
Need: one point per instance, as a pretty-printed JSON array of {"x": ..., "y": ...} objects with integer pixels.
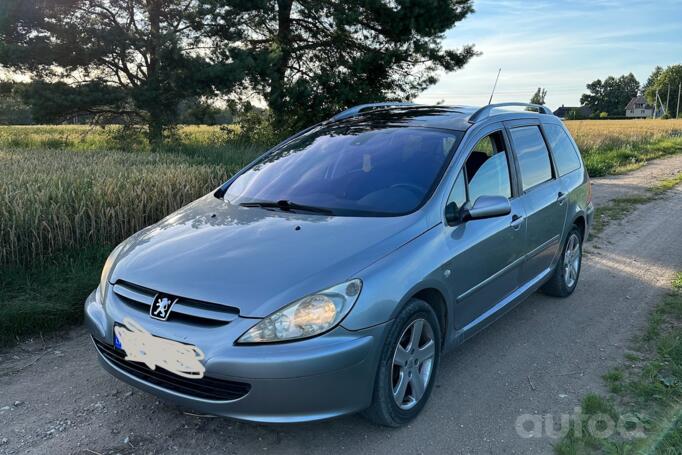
[{"x": 565, "y": 155}]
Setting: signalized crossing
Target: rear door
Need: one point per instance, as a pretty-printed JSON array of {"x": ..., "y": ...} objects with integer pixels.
[{"x": 542, "y": 195}]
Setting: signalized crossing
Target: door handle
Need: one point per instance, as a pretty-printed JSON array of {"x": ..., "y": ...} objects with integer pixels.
[
  {"x": 516, "y": 222},
  {"x": 562, "y": 197}
]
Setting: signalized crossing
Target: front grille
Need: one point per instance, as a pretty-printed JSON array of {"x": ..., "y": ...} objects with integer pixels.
[
  {"x": 206, "y": 387},
  {"x": 186, "y": 310}
]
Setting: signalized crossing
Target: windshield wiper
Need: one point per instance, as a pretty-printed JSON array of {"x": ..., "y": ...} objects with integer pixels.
[{"x": 286, "y": 206}]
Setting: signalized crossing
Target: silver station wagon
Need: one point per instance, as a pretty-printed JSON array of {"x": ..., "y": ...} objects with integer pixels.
[{"x": 331, "y": 274}]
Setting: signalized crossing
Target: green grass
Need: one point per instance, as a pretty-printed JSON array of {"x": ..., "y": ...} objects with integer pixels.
[
  {"x": 670, "y": 440},
  {"x": 49, "y": 297},
  {"x": 618, "y": 158},
  {"x": 648, "y": 386},
  {"x": 614, "y": 380},
  {"x": 580, "y": 439}
]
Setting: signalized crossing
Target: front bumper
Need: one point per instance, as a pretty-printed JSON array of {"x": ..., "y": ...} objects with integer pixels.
[{"x": 313, "y": 379}]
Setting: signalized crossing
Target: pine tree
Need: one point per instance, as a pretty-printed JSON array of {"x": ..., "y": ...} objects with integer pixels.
[
  {"x": 128, "y": 60},
  {"x": 312, "y": 58}
]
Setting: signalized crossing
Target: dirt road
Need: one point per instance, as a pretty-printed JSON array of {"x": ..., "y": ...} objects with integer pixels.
[{"x": 540, "y": 359}]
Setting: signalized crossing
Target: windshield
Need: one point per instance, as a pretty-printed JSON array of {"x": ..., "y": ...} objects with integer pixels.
[{"x": 351, "y": 170}]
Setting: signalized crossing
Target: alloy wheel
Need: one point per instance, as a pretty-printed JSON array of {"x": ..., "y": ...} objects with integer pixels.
[
  {"x": 572, "y": 260},
  {"x": 413, "y": 363}
]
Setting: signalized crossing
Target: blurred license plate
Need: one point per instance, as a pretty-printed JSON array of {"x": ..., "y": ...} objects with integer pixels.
[{"x": 141, "y": 346}]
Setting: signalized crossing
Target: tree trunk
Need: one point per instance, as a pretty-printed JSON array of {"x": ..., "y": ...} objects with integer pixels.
[
  {"x": 155, "y": 130},
  {"x": 155, "y": 126},
  {"x": 277, "y": 95}
]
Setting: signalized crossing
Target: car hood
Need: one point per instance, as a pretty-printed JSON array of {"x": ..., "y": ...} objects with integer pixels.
[{"x": 254, "y": 259}]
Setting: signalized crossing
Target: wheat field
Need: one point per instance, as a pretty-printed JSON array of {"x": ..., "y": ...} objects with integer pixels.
[
  {"x": 53, "y": 200},
  {"x": 591, "y": 134}
]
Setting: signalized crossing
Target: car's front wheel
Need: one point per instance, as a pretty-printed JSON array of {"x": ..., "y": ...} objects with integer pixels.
[{"x": 407, "y": 367}]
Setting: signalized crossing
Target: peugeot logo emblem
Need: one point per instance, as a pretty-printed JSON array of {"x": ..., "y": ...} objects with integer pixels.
[{"x": 161, "y": 308}]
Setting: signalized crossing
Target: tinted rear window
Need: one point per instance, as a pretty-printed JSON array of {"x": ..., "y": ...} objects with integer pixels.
[
  {"x": 533, "y": 156},
  {"x": 353, "y": 170},
  {"x": 565, "y": 155}
]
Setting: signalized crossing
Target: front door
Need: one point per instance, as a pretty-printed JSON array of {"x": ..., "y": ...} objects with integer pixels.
[
  {"x": 543, "y": 199},
  {"x": 486, "y": 254}
]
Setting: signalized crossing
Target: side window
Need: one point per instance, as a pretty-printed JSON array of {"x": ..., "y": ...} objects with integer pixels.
[
  {"x": 533, "y": 156},
  {"x": 487, "y": 170},
  {"x": 485, "y": 173},
  {"x": 565, "y": 155}
]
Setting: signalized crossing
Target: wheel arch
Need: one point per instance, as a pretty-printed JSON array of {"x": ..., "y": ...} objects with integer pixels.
[
  {"x": 580, "y": 221},
  {"x": 435, "y": 298}
]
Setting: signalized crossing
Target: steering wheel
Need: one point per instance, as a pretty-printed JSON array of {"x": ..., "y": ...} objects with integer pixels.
[{"x": 416, "y": 189}]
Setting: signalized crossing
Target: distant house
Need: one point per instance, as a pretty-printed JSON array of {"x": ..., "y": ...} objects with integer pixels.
[
  {"x": 638, "y": 107},
  {"x": 573, "y": 112}
]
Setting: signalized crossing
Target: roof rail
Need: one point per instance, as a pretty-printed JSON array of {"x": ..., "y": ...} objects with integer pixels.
[
  {"x": 485, "y": 110},
  {"x": 355, "y": 110}
]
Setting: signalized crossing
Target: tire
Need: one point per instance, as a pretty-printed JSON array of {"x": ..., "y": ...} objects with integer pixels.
[
  {"x": 385, "y": 409},
  {"x": 563, "y": 281}
]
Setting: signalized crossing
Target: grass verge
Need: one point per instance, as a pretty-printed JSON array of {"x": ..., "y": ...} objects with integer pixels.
[
  {"x": 620, "y": 158},
  {"x": 647, "y": 387},
  {"x": 40, "y": 299}
]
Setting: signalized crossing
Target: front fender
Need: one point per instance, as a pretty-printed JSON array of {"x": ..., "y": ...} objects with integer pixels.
[{"x": 390, "y": 282}]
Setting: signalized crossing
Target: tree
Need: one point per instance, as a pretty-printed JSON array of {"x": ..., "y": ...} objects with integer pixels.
[
  {"x": 312, "y": 58},
  {"x": 652, "y": 78},
  {"x": 669, "y": 77},
  {"x": 196, "y": 111},
  {"x": 13, "y": 111},
  {"x": 611, "y": 95},
  {"x": 539, "y": 96},
  {"x": 129, "y": 60},
  {"x": 577, "y": 113}
]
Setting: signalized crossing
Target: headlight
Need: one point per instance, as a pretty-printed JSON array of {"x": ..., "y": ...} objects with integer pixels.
[
  {"x": 307, "y": 317},
  {"x": 106, "y": 272}
]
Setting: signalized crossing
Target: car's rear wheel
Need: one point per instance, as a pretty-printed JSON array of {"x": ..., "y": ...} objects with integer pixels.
[
  {"x": 565, "y": 277},
  {"x": 407, "y": 366}
]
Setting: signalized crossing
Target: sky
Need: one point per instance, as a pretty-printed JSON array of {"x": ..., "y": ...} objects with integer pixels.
[{"x": 558, "y": 44}]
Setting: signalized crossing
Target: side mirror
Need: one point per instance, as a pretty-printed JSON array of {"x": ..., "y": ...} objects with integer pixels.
[
  {"x": 487, "y": 207},
  {"x": 453, "y": 214}
]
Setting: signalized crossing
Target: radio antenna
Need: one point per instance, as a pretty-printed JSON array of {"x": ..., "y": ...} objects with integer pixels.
[{"x": 494, "y": 86}]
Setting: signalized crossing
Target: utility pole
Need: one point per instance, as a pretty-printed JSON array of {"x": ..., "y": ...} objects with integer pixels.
[
  {"x": 667, "y": 100},
  {"x": 662, "y": 108},
  {"x": 656, "y": 104},
  {"x": 679, "y": 90}
]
